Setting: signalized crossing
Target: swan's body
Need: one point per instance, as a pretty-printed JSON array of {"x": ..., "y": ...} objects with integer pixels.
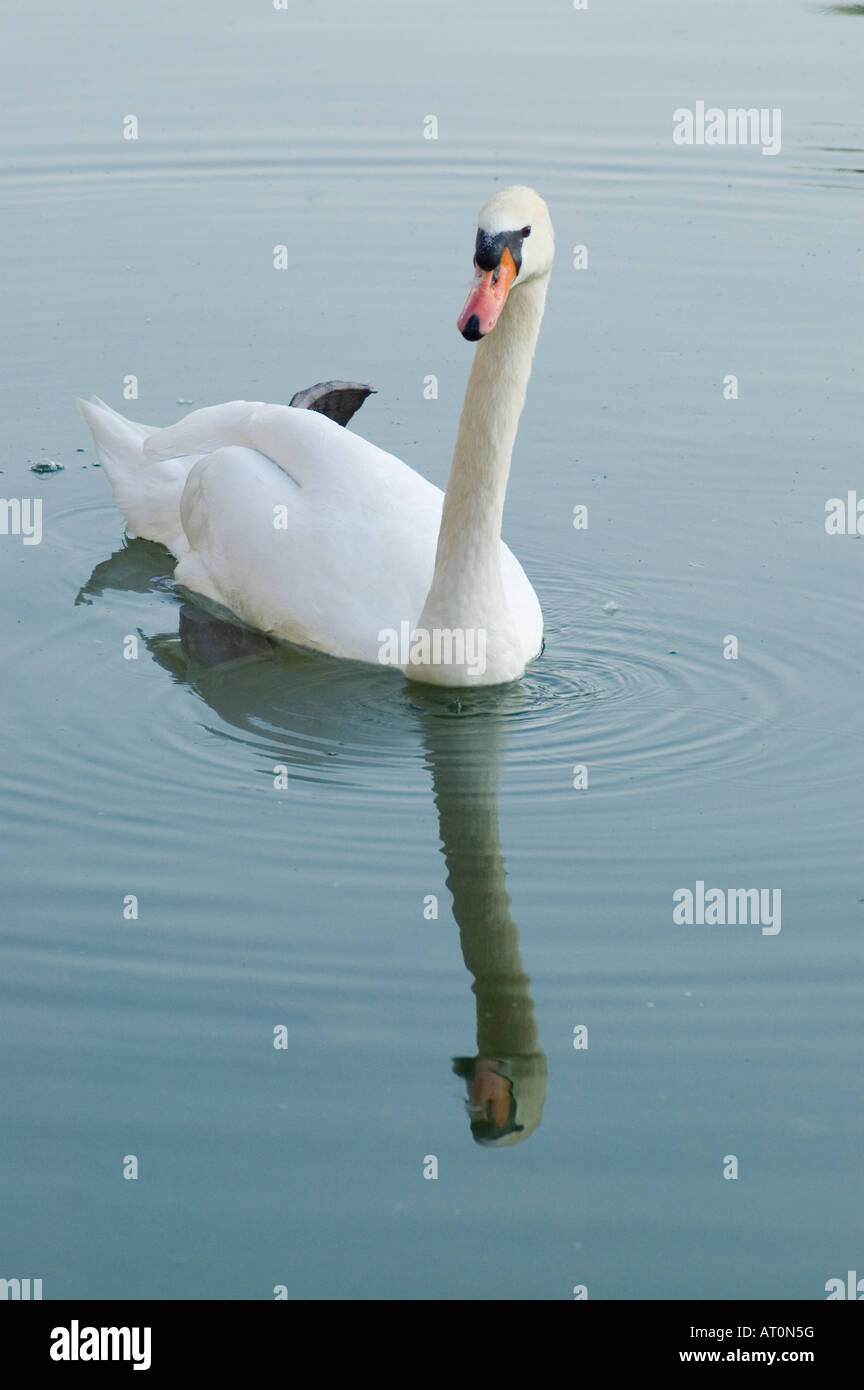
[
  {"x": 309, "y": 533},
  {"x": 357, "y": 519}
]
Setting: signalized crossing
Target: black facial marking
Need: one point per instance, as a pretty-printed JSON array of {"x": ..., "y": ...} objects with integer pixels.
[{"x": 489, "y": 249}]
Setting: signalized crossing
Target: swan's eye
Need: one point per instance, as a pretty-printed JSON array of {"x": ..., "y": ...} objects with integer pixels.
[{"x": 526, "y": 231}]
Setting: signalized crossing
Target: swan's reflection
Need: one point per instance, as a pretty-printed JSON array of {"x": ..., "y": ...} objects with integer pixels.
[
  {"x": 462, "y": 735},
  {"x": 506, "y": 1081}
]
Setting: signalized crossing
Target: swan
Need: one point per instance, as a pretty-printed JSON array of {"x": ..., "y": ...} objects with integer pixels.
[{"x": 306, "y": 532}]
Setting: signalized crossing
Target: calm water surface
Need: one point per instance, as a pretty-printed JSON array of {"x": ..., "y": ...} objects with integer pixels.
[{"x": 302, "y": 904}]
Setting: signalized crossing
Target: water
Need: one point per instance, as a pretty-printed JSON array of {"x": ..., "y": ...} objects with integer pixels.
[{"x": 296, "y": 899}]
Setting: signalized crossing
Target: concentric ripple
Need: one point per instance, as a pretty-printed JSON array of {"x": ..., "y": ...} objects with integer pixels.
[{"x": 640, "y": 703}]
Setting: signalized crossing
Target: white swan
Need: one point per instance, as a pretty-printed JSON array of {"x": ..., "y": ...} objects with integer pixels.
[{"x": 309, "y": 533}]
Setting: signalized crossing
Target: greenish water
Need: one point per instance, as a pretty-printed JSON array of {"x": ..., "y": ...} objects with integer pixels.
[{"x": 295, "y": 898}]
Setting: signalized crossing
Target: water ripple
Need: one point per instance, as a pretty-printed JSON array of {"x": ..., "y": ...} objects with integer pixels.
[{"x": 640, "y": 702}]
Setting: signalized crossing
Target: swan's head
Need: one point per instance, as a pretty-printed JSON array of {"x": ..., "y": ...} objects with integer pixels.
[{"x": 514, "y": 245}]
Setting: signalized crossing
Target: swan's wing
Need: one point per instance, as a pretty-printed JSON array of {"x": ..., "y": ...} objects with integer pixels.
[
  {"x": 339, "y": 400},
  {"x": 238, "y": 422},
  {"x": 308, "y": 446},
  {"x": 202, "y": 431}
]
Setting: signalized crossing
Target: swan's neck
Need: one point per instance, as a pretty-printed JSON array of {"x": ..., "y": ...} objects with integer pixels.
[{"x": 466, "y": 585}]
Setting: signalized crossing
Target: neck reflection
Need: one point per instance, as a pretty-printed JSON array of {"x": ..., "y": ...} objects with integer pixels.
[{"x": 506, "y": 1080}]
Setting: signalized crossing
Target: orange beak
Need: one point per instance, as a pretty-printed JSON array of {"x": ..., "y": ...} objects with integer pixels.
[
  {"x": 489, "y": 1098},
  {"x": 486, "y": 298}
]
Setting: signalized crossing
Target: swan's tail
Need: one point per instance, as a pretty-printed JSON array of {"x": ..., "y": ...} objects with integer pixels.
[{"x": 147, "y": 493}]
